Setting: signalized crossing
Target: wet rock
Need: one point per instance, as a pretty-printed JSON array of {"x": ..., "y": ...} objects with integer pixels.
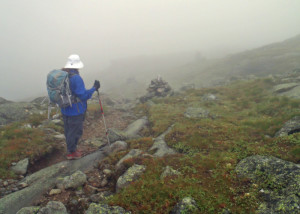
[
  {"x": 169, "y": 171},
  {"x": 133, "y": 153},
  {"x": 55, "y": 191},
  {"x": 198, "y": 113},
  {"x": 280, "y": 178},
  {"x": 132, "y": 174},
  {"x": 21, "y": 167},
  {"x": 290, "y": 127},
  {"x": 105, "y": 209},
  {"x": 53, "y": 207},
  {"x": 29, "y": 210},
  {"x": 186, "y": 205},
  {"x": 77, "y": 179}
]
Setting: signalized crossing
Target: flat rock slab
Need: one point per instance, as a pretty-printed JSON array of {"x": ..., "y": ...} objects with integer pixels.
[
  {"x": 130, "y": 132},
  {"x": 160, "y": 146},
  {"x": 292, "y": 93},
  {"x": 43, "y": 180},
  {"x": 290, "y": 127},
  {"x": 284, "y": 87}
]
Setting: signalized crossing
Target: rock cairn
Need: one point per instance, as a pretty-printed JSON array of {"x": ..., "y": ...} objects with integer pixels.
[{"x": 157, "y": 88}]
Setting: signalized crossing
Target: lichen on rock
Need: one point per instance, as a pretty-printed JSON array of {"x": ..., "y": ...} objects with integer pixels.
[{"x": 279, "y": 179}]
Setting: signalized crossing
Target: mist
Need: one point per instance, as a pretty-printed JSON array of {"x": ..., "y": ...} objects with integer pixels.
[{"x": 38, "y": 36}]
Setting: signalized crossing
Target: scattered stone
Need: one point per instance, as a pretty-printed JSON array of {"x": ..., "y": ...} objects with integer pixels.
[
  {"x": 53, "y": 207},
  {"x": 160, "y": 146},
  {"x": 281, "y": 179},
  {"x": 21, "y": 167},
  {"x": 5, "y": 183},
  {"x": 107, "y": 172},
  {"x": 77, "y": 179},
  {"x": 115, "y": 135},
  {"x": 198, "y": 113},
  {"x": 90, "y": 189},
  {"x": 118, "y": 146},
  {"x": 290, "y": 127},
  {"x": 209, "y": 97},
  {"x": 133, "y": 153},
  {"x": 22, "y": 185},
  {"x": 132, "y": 174},
  {"x": 13, "y": 163},
  {"x": 186, "y": 205},
  {"x": 104, "y": 182},
  {"x": 60, "y": 136},
  {"x": 29, "y": 210},
  {"x": 105, "y": 209},
  {"x": 55, "y": 191},
  {"x": 56, "y": 121},
  {"x": 169, "y": 171},
  {"x": 100, "y": 196}
]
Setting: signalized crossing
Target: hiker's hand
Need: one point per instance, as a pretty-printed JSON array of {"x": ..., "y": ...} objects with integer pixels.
[{"x": 96, "y": 85}]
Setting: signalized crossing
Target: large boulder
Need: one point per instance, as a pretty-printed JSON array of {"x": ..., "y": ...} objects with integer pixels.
[
  {"x": 10, "y": 112},
  {"x": 289, "y": 127},
  {"x": 105, "y": 209},
  {"x": 280, "y": 182},
  {"x": 132, "y": 174},
  {"x": 21, "y": 167}
]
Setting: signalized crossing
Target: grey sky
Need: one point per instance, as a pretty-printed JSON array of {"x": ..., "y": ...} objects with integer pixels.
[{"x": 37, "y": 36}]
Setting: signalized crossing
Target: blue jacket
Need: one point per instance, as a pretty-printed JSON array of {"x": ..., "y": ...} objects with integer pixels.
[{"x": 78, "y": 89}]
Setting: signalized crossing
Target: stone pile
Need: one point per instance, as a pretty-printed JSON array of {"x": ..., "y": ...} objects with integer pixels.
[{"x": 157, "y": 88}]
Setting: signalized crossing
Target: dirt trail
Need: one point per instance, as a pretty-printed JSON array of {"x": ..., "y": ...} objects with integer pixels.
[{"x": 93, "y": 128}]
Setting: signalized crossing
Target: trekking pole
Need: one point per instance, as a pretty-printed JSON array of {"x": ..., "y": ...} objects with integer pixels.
[{"x": 102, "y": 112}]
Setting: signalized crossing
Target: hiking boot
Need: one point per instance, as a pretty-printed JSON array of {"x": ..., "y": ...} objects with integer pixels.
[{"x": 73, "y": 156}]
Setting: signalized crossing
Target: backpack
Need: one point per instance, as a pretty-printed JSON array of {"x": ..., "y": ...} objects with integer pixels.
[{"x": 58, "y": 87}]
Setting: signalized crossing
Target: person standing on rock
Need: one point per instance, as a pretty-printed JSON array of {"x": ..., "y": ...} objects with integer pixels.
[{"x": 73, "y": 116}]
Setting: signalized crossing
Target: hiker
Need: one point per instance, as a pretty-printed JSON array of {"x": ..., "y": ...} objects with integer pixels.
[{"x": 73, "y": 116}]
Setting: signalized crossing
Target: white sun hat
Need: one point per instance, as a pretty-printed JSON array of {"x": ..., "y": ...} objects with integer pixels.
[{"x": 74, "y": 62}]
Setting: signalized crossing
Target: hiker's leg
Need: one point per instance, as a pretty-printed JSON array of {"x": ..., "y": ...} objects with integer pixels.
[{"x": 75, "y": 130}]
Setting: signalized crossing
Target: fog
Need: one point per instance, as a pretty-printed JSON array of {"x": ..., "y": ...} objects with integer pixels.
[{"x": 38, "y": 36}]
